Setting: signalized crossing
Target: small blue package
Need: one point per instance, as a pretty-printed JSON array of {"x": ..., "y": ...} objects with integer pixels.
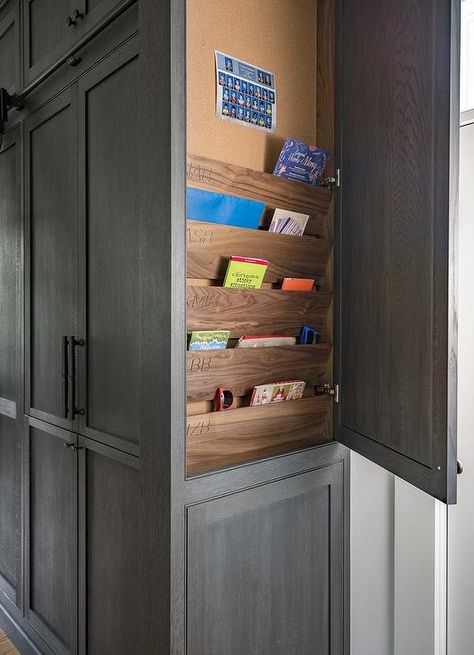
[
  {"x": 301, "y": 162},
  {"x": 221, "y": 208}
]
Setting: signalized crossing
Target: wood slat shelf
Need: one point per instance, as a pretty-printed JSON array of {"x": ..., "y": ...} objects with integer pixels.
[
  {"x": 210, "y": 245},
  {"x": 224, "y": 438},
  {"x": 240, "y": 369},
  {"x": 220, "y": 177},
  {"x": 256, "y": 311}
]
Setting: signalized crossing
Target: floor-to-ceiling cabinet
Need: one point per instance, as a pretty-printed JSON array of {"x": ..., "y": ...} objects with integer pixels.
[{"x": 133, "y": 518}]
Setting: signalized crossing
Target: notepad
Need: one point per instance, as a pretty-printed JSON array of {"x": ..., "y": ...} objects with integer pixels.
[{"x": 297, "y": 284}]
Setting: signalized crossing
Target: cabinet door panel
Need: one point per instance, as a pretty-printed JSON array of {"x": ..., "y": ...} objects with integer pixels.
[
  {"x": 109, "y": 537},
  {"x": 51, "y": 225},
  {"x": 400, "y": 125},
  {"x": 95, "y": 10},
  {"x": 46, "y": 34},
  {"x": 51, "y": 535},
  {"x": 10, "y": 49},
  {"x": 109, "y": 218},
  {"x": 265, "y": 569},
  {"x": 9, "y": 507},
  {"x": 10, "y": 361}
]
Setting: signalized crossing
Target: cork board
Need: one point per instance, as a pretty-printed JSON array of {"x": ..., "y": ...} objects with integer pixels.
[{"x": 278, "y": 35}]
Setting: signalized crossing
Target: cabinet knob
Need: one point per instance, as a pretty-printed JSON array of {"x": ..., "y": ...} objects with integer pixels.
[
  {"x": 71, "y": 21},
  {"x": 460, "y": 467}
]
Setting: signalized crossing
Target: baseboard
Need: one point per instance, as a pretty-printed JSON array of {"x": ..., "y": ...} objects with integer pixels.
[{"x": 17, "y": 636}]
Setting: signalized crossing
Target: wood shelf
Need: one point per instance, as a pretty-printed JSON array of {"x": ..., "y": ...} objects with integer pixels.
[
  {"x": 225, "y": 438},
  {"x": 240, "y": 369},
  {"x": 210, "y": 245},
  {"x": 256, "y": 311},
  {"x": 220, "y": 177},
  {"x": 219, "y": 439}
]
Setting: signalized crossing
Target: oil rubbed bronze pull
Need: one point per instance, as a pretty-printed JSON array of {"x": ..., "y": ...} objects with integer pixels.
[
  {"x": 72, "y": 410},
  {"x": 64, "y": 377}
]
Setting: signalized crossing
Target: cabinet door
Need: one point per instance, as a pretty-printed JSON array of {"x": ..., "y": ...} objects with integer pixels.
[
  {"x": 10, "y": 49},
  {"x": 51, "y": 535},
  {"x": 108, "y": 215},
  {"x": 109, "y": 550},
  {"x": 397, "y": 313},
  {"x": 265, "y": 569},
  {"x": 10, "y": 362},
  {"x": 47, "y": 34},
  {"x": 94, "y": 11},
  {"x": 51, "y": 251}
]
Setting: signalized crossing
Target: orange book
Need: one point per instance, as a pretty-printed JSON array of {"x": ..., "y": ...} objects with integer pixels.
[{"x": 297, "y": 284}]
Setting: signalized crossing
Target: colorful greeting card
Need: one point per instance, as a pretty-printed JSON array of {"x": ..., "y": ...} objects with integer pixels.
[
  {"x": 246, "y": 94},
  {"x": 301, "y": 162}
]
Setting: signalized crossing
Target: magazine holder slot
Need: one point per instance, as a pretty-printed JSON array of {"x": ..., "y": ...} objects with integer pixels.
[{"x": 225, "y": 438}]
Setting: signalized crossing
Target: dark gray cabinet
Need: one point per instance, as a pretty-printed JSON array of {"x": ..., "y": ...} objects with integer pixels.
[
  {"x": 51, "y": 535},
  {"x": 120, "y": 551},
  {"x": 397, "y": 257},
  {"x": 109, "y": 250},
  {"x": 109, "y": 504},
  {"x": 10, "y": 364},
  {"x": 51, "y": 280},
  {"x": 81, "y": 204},
  {"x": 264, "y": 569},
  {"x": 81, "y": 542},
  {"x": 51, "y": 28},
  {"x": 10, "y": 55}
]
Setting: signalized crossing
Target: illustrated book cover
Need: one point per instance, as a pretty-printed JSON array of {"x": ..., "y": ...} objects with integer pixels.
[
  {"x": 301, "y": 162},
  {"x": 245, "y": 273}
]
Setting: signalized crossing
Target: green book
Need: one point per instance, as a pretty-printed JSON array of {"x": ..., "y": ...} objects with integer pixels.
[{"x": 245, "y": 273}]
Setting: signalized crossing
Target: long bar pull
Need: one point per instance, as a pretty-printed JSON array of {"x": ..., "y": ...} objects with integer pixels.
[
  {"x": 71, "y": 379},
  {"x": 72, "y": 410},
  {"x": 64, "y": 377}
]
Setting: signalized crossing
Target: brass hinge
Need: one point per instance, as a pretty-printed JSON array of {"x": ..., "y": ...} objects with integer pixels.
[
  {"x": 333, "y": 391},
  {"x": 333, "y": 183}
]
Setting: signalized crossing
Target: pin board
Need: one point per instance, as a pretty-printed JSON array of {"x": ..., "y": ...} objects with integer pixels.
[{"x": 277, "y": 35}]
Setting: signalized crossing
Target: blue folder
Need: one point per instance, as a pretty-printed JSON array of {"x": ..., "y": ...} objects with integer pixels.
[{"x": 221, "y": 208}]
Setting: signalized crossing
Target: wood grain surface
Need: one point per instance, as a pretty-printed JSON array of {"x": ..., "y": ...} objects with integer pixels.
[
  {"x": 240, "y": 369},
  {"x": 224, "y": 438},
  {"x": 210, "y": 245},
  {"x": 256, "y": 311},
  {"x": 217, "y": 176}
]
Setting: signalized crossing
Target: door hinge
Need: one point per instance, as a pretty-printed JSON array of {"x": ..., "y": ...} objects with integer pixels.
[
  {"x": 333, "y": 183},
  {"x": 333, "y": 391}
]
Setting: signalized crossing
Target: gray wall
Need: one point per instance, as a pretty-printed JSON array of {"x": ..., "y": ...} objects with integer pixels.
[
  {"x": 398, "y": 566},
  {"x": 461, "y": 516}
]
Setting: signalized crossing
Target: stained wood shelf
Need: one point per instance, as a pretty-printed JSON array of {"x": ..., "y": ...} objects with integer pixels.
[
  {"x": 239, "y": 435},
  {"x": 256, "y": 311},
  {"x": 219, "y": 439},
  {"x": 220, "y": 177},
  {"x": 210, "y": 246},
  {"x": 240, "y": 369}
]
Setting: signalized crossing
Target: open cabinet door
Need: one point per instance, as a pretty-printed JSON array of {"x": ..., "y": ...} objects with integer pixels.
[{"x": 399, "y": 126}]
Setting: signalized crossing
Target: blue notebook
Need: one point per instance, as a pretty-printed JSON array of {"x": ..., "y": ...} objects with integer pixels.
[{"x": 221, "y": 208}]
